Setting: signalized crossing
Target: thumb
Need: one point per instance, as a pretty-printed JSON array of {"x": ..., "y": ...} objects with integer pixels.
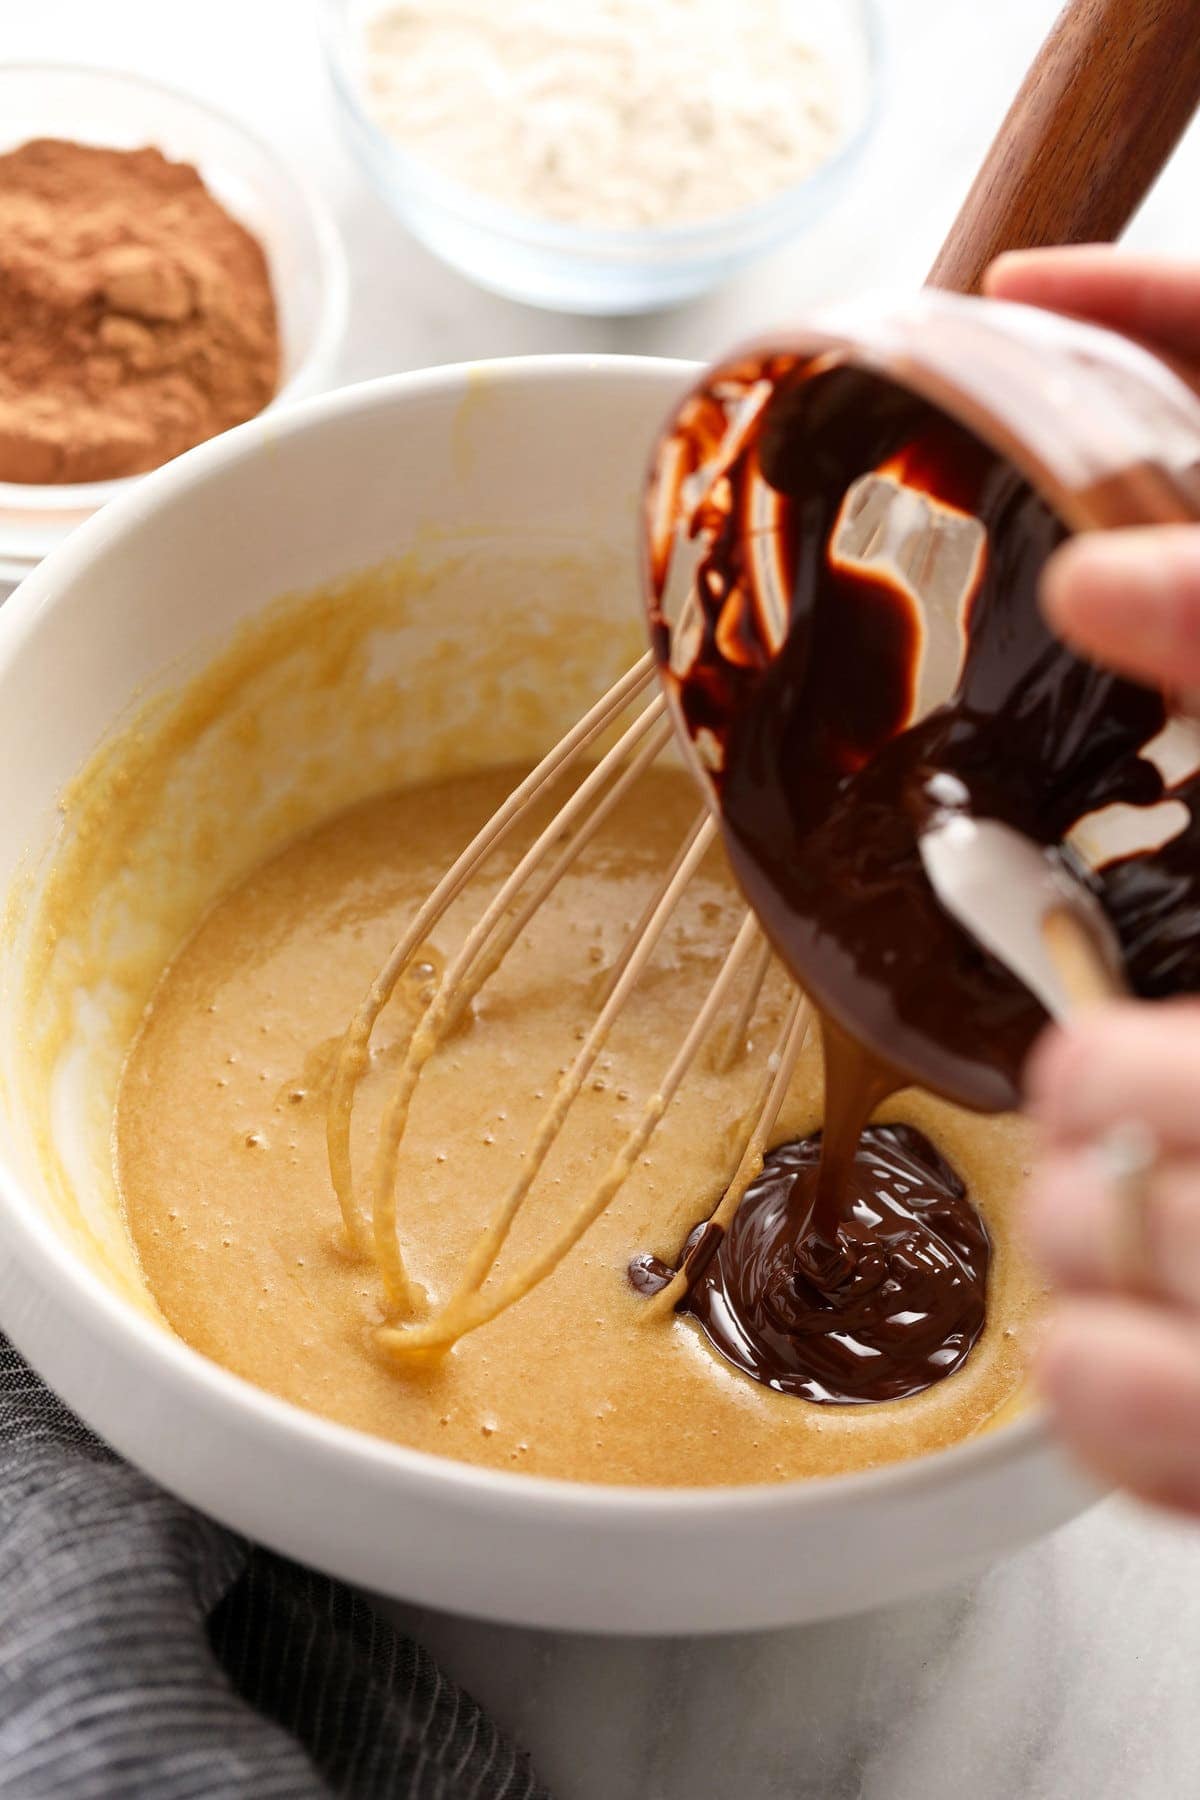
[{"x": 1130, "y": 600}]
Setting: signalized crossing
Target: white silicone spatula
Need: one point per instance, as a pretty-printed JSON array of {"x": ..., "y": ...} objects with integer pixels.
[{"x": 1019, "y": 903}]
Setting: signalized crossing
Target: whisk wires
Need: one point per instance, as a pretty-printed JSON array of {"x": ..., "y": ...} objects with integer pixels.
[{"x": 481, "y": 1293}]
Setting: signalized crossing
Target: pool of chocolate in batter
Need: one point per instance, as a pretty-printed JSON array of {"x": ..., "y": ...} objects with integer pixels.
[{"x": 220, "y": 1146}]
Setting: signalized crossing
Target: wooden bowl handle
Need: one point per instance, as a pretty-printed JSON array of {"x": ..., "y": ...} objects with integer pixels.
[{"x": 1107, "y": 99}]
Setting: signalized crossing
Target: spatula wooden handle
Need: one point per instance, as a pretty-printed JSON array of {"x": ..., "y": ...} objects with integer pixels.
[
  {"x": 1107, "y": 99},
  {"x": 1086, "y": 977}
]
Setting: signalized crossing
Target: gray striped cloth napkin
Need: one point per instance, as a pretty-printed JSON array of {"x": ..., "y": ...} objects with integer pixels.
[{"x": 146, "y": 1652}]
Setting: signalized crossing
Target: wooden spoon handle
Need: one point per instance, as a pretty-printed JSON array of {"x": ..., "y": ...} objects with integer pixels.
[
  {"x": 1086, "y": 977},
  {"x": 1106, "y": 101}
]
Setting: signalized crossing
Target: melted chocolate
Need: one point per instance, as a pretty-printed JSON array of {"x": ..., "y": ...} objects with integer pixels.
[
  {"x": 825, "y": 786},
  {"x": 855, "y": 1268},
  {"x": 896, "y": 1304},
  {"x": 857, "y": 1271}
]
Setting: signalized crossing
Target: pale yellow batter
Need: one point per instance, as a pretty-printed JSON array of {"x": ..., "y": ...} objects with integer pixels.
[{"x": 220, "y": 1144}]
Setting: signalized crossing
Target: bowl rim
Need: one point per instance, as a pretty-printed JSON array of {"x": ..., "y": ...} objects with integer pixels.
[
  {"x": 330, "y": 264},
  {"x": 765, "y": 219},
  {"x": 195, "y": 1377}
]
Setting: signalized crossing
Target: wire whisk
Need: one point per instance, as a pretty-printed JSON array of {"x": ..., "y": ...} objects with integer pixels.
[{"x": 372, "y": 1229}]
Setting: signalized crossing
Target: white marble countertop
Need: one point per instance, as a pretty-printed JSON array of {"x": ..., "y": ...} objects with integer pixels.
[
  {"x": 1068, "y": 1672},
  {"x": 1071, "y": 1669}
]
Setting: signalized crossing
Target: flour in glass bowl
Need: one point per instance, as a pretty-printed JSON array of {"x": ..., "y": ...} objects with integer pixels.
[{"x": 618, "y": 113}]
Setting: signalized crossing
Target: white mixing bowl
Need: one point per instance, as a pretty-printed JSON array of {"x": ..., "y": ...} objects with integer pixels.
[{"x": 520, "y": 464}]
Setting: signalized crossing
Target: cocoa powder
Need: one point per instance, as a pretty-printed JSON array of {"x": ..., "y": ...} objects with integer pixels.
[{"x": 136, "y": 316}]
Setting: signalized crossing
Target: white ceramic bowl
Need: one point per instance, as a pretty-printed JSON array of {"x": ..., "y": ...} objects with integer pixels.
[{"x": 533, "y": 460}]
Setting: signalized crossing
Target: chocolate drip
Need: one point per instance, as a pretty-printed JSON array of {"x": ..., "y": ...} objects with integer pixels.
[{"x": 649, "y": 1274}]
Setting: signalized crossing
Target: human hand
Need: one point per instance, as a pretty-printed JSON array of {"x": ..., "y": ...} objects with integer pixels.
[{"x": 1120, "y": 1368}]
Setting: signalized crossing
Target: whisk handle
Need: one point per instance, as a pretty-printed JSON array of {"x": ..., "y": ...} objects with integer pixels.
[{"x": 1108, "y": 97}]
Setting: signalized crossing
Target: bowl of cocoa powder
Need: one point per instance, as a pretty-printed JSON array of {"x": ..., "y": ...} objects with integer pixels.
[{"x": 163, "y": 277}]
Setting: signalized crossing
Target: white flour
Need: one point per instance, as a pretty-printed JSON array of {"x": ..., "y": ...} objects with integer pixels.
[{"x": 606, "y": 112}]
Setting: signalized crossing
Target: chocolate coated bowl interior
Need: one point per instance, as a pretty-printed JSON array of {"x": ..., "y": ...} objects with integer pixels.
[{"x": 859, "y": 650}]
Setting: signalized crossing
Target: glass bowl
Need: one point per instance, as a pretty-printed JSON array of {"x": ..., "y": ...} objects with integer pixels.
[
  {"x": 600, "y": 269},
  {"x": 96, "y": 106}
]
